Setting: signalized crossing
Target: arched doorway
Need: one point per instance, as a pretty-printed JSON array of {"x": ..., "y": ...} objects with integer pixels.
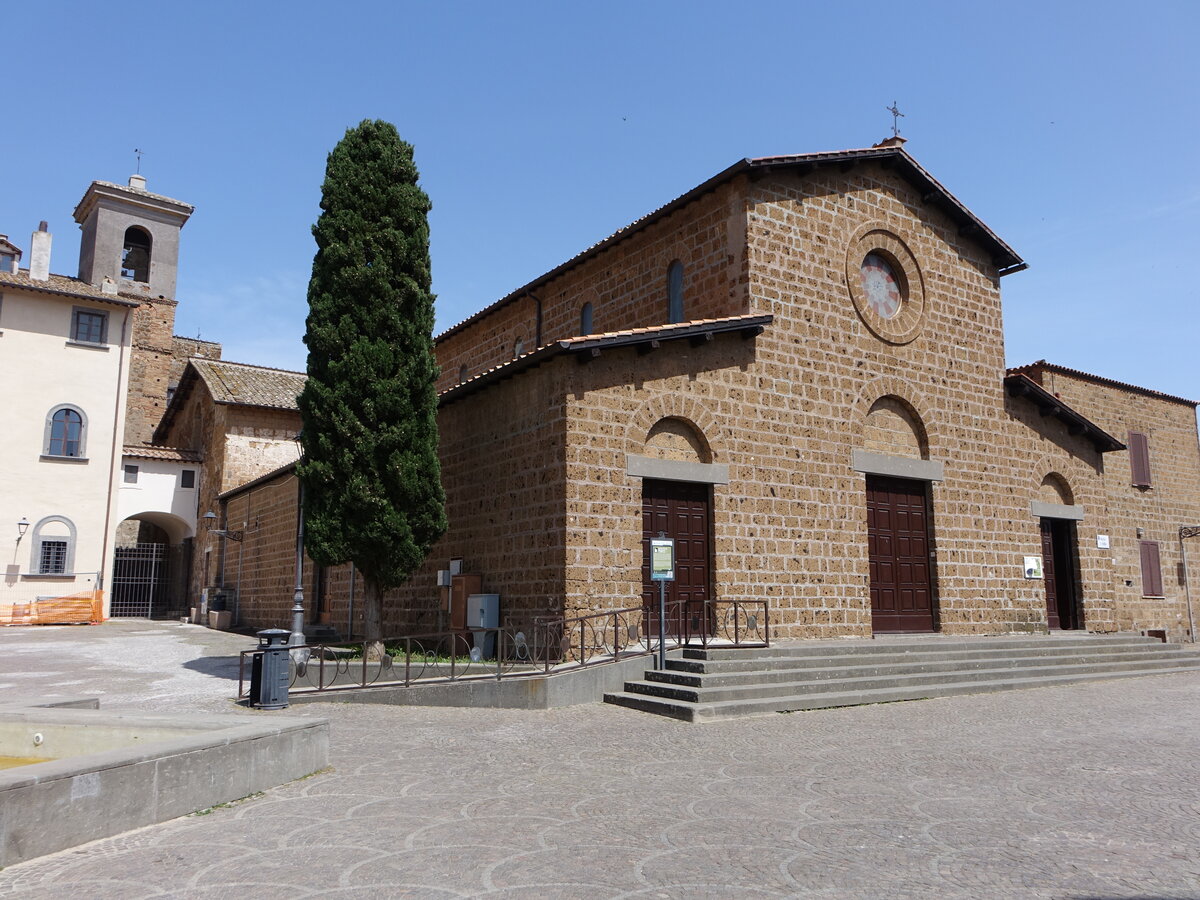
[
  {"x": 1060, "y": 555},
  {"x": 151, "y": 561},
  {"x": 677, "y": 504}
]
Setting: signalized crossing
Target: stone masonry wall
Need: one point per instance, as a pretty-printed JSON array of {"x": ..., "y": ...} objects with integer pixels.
[
  {"x": 785, "y": 411},
  {"x": 183, "y": 349},
  {"x": 626, "y": 285},
  {"x": 1172, "y": 500},
  {"x": 149, "y": 368},
  {"x": 534, "y": 465},
  {"x": 503, "y": 469}
]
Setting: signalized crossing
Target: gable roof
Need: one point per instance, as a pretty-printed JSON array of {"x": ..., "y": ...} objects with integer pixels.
[
  {"x": 234, "y": 384},
  {"x": 1019, "y": 384},
  {"x": 1042, "y": 366},
  {"x": 62, "y": 286},
  {"x": 890, "y": 156},
  {"x": 242, "y": 384}
]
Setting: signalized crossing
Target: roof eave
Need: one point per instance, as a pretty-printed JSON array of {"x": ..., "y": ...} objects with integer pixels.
[
  {"x": 1021, "y": 385},
  {"x": 589, "y": 348}
]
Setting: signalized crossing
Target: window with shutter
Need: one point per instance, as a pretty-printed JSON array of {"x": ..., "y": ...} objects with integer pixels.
[
  {"x": 1139, "y": 459},
  {"x": 1152, "y": 585}
]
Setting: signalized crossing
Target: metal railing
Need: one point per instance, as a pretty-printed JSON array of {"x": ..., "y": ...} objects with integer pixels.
[{"x": 547, "y": 646}]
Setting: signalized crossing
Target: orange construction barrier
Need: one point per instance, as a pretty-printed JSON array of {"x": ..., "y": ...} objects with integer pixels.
[{"x": 84, "y": 608}]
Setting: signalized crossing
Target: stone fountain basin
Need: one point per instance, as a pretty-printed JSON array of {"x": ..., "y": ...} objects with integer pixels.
[{"x": 106, "y": 772}]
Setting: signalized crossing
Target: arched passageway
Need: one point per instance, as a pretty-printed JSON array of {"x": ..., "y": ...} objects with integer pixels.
[{"x": 150, "y": 563}]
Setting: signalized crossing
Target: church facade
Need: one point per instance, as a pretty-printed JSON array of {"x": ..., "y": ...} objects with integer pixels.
[{"x": 796, "y": 370}]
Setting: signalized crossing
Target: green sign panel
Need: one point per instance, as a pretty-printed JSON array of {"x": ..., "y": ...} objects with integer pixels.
[{"x": 662, "y": 559}]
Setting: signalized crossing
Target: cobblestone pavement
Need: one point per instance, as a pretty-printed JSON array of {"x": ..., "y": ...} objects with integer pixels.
[{"x": 1088, "y": 791}]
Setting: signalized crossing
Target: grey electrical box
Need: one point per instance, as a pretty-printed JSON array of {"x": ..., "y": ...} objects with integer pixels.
[{"x": 483, "y": 616}]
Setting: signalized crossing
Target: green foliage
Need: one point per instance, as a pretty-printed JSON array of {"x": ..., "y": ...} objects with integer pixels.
[{"x": 372, "y": 483}]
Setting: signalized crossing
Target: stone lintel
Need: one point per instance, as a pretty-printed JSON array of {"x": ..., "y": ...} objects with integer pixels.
[
  {"x": 1042, "y": 510},
  {"x": 676, "y": 470},
  {"x": 896, "y": 466}
]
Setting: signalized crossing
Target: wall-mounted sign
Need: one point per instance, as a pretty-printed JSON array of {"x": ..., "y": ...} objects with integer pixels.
[
  {"x": 662, "y": 559},
  {"x": 1102, "y": 542},
  {"x": 1033, "y": 567}
]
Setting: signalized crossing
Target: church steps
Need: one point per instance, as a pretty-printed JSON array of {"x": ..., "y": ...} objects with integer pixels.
[
  {"x": 693, "y": 712},
  {"x": 910, "y": 645},
  {"x": 720, "y": 683},
  {"x": 837, "y": 668},
  {"x": 795, "y": 688}
]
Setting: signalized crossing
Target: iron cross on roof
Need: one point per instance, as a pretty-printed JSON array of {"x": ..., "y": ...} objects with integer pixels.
[
  {"x": 896, "y": 117},
  {"x": 139, "y": 160}
]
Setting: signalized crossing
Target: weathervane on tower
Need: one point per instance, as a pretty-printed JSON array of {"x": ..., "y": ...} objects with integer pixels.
[{"x": 896, "y": 117}]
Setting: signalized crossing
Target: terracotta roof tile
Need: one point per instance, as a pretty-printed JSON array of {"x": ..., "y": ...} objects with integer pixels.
[
  {"x": 1052, "y": 367},
  {"x": 170, "y": 454},
  {"x": 63, "y": 286},
  {"x": 246, "y": 385}
]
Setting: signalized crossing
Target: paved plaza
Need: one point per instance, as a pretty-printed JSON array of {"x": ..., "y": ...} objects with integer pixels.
[{"x": 1087, "y": 791}]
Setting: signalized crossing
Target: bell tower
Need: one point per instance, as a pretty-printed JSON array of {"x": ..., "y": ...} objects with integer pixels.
[
  {"x": 130, "y": 236},
  {"x": 130, "y": 246}
]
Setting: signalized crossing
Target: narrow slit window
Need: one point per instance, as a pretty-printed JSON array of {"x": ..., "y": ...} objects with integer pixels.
[{"x": 675, "y": 292}]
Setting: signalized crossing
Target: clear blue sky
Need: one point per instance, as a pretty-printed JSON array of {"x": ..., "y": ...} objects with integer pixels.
[{"x": 1071, "y": 128}]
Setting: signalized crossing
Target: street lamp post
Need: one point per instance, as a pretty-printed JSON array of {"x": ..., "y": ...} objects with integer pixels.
[
  {"x": 1185, "y": 532},
  {"x": 297, "y": 638},
  {"x": 300, "y": 657}
]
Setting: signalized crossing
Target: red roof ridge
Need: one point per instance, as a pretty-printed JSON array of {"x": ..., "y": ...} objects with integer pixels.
[{"x": 1066, "y": 370}]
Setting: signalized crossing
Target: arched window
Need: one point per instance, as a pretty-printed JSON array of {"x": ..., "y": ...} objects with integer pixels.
[
  {"x": 585, "y": 319},
  {"x": 53, "y": 551},
  {"x": 462, "y": 374},
  {"x": 518, "y": 348},
  {"x": 675, "y": 292},
  {"x": 135, "y": 257},
  {"x": 66, "y": 432}
]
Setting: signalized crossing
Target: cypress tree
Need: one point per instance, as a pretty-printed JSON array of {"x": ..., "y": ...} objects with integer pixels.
[{"x": 370, "y": 473}]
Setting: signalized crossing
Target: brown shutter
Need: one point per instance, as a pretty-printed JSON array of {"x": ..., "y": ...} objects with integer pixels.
[
  {"x": 1139, "y": 459},
  {"x": 1152, "y": 585}
]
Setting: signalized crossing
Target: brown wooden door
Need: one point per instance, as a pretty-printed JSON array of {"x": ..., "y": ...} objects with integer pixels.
[
  {"x": 898, "y": 547},
  {"x": 679, "y": 510},
  {"x": 1058, "y": 572}
]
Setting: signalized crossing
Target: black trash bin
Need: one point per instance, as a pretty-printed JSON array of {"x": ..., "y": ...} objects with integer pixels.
[{"x": 269, "y": 671}]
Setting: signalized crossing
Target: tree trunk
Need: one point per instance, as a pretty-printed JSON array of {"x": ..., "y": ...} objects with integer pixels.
[{"x": 373, "y": 618}]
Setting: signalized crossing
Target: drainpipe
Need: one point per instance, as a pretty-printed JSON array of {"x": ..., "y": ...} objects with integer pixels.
[{"x": 112, "y": 456}]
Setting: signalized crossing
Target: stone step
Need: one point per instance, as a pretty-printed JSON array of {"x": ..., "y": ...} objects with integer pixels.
[
  {"x": 750, "y": 663},
  {"x": 700, "y": 712},
  {"x": 795, "y": 688},
  {"x": 834, "y": 668},
  {"x": 800, "y": 649}
]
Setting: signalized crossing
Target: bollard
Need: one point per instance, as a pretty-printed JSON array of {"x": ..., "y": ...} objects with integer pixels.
[{"x": 269, "y": 671}]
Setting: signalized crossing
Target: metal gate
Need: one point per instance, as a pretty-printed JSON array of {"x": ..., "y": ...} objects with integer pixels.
[{"x": 145, "y": 578}]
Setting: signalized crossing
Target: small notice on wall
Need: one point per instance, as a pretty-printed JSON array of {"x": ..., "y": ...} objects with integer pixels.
[
  {"x": 1102, "y": 542},
  {"x": 1033, "y": 567}
]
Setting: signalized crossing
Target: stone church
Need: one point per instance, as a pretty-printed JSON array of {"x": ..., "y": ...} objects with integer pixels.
[{"x": 796, "y": 370}]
